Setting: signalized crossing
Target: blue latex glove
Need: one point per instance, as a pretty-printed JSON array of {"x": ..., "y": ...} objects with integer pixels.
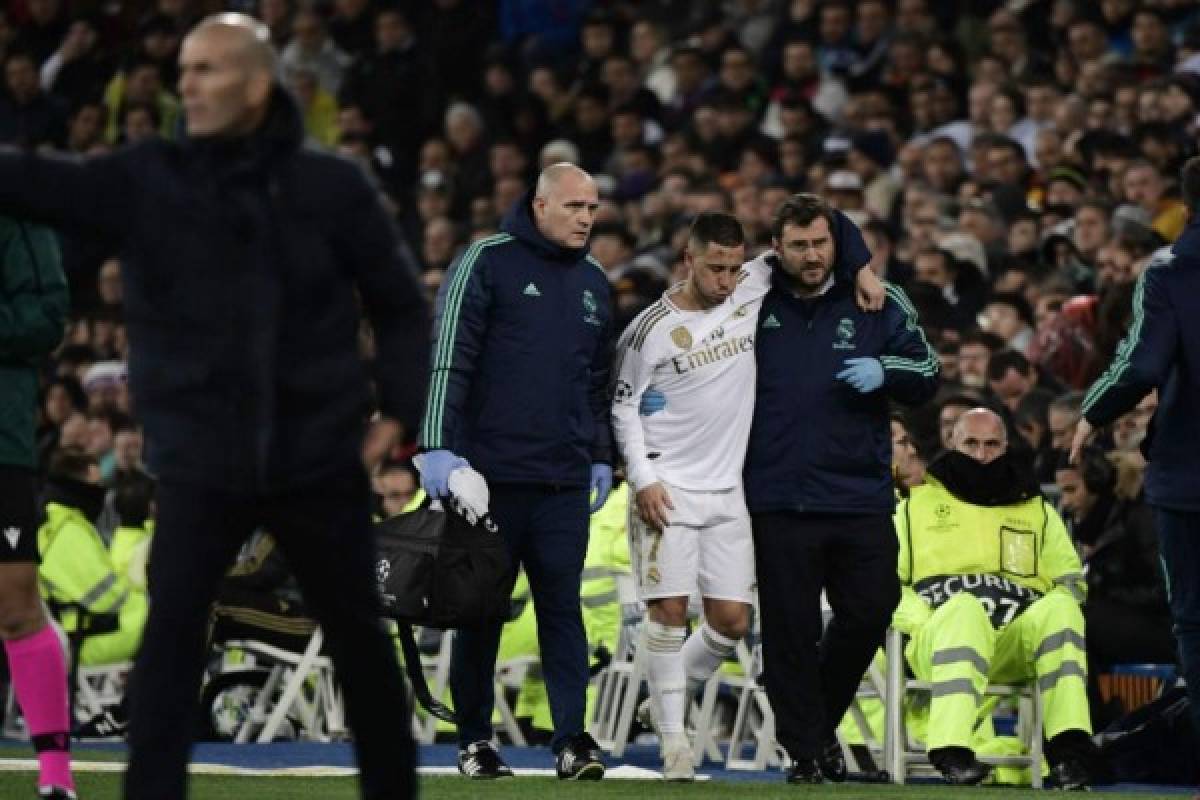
[
  {"x": 653, "y": 401},
  {"x": 601, "y": 486},
  {"x": 436, "y": 466},
  {"x": 864, "y": 374}
]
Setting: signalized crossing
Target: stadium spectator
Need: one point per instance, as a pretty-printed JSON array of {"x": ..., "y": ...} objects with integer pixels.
[
  {"x": 1128, "y": 621},
  {"x": 29, "y": 117},
  {"x": 398, "y": 489},
  {"x": 908, "y": 469},
  {"x": 311, "y": 48}
]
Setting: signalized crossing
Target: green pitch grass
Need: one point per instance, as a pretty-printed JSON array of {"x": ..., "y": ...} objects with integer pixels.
[{"x": 106, "y": 786}]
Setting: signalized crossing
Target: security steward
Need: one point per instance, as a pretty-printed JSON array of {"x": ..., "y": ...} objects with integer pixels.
[{"x": 991, "y": 591}]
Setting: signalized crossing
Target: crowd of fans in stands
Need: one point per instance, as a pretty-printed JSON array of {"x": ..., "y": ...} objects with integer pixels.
[{"x": 1013, "y": 165}]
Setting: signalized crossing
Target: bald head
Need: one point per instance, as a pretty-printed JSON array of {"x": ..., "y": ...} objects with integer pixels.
[
  {"x": 226, "y": 72},
  {"x": 980, "y": 434},
  {"x": 249, "y": 39},
  {"x": 553, "y": 177},
  {"x": 564, "y": 205}
]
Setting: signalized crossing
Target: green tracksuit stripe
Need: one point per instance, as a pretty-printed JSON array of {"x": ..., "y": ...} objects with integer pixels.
[
  {"x": 444, "y": 357},
  {"x": 930, "y": 364},
  {"x": 1121, "y": 363}
]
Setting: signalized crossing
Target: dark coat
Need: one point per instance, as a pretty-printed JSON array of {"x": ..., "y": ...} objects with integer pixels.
[
  {"x": 1121, "y": 555},
  {"x": 243, "y": 262}
]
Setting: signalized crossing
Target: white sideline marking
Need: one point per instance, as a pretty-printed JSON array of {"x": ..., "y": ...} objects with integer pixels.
[{"x": 624, "y": 772}]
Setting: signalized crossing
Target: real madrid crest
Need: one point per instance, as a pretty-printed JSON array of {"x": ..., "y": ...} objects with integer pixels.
[{"x": 682, "y": 337}]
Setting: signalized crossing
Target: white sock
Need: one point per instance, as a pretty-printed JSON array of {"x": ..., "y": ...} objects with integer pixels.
[
  {"x": 664, "y": 673},
  {"x": 703, "y": 652}
]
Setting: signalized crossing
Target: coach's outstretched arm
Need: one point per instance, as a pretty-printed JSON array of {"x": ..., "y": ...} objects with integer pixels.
[{"x": 95, "y": 195}]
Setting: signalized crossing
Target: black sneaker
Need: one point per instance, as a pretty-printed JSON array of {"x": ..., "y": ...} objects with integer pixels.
[
  {"x": 55, "y": 793},
  {"x": 832, "y": 763},
  {"x": 804, "y": 770},
  {"x": 1075, "y": 760},
  {"x": 959, "y": 766},
  {"x": 580, "y": 759},
  {"x": 1072, "y": 775},
  {"x": 479, "y": 761}
]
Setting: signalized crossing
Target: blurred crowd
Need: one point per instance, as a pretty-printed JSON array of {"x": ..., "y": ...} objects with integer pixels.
[{"x": 1012, "y": 164}]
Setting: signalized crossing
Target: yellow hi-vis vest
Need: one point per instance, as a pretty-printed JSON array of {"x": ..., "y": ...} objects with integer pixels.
[
  {"x": 128, "y": 552},
  {"x": 76, "y": 568},
  {"x": 1008, "y": 556}
]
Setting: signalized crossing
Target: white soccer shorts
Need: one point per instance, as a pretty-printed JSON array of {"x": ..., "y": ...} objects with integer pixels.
[{"x": 706, "y": 546}]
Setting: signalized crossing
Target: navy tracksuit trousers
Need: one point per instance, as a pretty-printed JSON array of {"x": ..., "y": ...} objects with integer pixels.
[
  {"x": 1179, "y": 543},
  {"x": 547, "y": 532}
]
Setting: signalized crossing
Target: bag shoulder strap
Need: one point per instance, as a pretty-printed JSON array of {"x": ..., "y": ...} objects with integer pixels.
[{"x": 416, "y": 676}]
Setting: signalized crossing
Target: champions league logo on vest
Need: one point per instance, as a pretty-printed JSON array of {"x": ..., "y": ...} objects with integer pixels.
[
  {"x": 383, "y": 571},
  {"x": 1001, "y": 598}
]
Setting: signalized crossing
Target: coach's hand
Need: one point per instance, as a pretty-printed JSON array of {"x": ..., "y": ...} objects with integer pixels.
[
  {"x": 869, "y": 290},
  {"x": 864, "y": 374},
  {"x": 653, "y": 503},
  {"x": 435, "y": 467},
  {"x": 600, "y": 487},
  {"x": 653, "y": 401}
]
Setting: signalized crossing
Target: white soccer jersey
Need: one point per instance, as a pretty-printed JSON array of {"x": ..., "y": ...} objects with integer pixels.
[{"x": 703, "y": 362}]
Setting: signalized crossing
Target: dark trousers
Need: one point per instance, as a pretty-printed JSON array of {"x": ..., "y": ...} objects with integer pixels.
[
  {"x": 547, "y": 533},
  {"x": 324, "y": 533},
  {"x": 1179, "y": 544},
  {"x": 810, "y": 676}
]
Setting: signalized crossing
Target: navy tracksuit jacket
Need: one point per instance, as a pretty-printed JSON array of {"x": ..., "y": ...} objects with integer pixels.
[
  {"x": 1162, "y": 350},
  {"x": 519, "y": 387},
  {"x": 816, "y": 444}
]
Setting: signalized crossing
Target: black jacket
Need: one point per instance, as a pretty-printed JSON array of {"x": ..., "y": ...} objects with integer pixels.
[
  {"x": 1121, "y": 555},
  {"x": 242, "y": 265}
]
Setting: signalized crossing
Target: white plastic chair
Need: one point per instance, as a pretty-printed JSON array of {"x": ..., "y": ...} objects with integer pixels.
[{"x": 903, "y": 753}]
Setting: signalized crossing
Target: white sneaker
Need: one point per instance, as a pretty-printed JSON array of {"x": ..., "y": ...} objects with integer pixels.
[{"x": 677, "y": 759}]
